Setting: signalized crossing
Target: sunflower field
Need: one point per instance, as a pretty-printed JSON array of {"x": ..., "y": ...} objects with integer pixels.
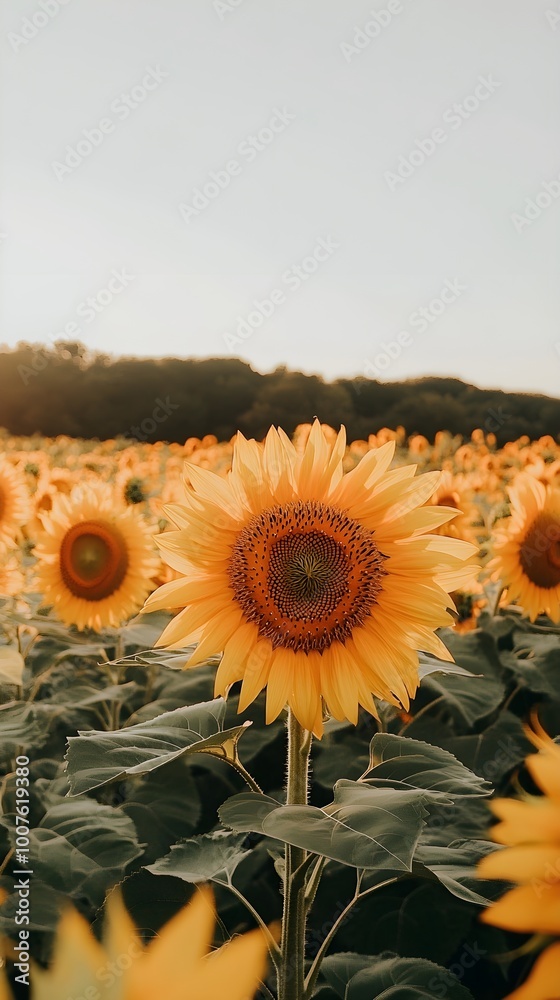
[{"x": 278, "y": 718}]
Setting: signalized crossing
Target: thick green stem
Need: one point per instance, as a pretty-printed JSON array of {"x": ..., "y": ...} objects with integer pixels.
[{"x": 291, "y": 978}]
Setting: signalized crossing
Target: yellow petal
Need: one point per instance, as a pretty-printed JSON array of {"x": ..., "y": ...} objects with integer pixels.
[
  {"x": 522, "y": 864},
  {"x": 305, "y": 697},
  {"x": 544, "y": 980},
  {"x": 255, "y": 675},
  {"x": 77, "y": 959},
  {"x": 215, "y": 634},
  {"x": 527, "y": 909},
  {"x": 280, "y": 683},
  {"x": 526, "y": 822},
  {"x": 544, "y": 768},
  {"x": 184, "y": 940}
]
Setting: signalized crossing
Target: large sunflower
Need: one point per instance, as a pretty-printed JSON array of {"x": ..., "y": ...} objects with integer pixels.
[
  {"x": 96, "y": 558},
  {"x": 527, "y": 553},
  {"x": 177, "y": 965},
  {"x": 314, "y": 584},
  {"x": 531, "y": 831},
  {"x": 15, "y": 505}
]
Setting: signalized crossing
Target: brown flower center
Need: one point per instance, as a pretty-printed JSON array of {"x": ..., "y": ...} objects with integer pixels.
[
  {"x": 540, "y": 551},
  {"x": 93, "y": 560},
  {"x": 305, "y": 574}
]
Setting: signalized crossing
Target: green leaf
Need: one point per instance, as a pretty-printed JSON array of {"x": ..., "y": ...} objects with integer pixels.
[
  {"x": 173, "y": 659},
  {"x": 394, "y": 919},
  {"x": 339, "y": 756},
  {"x": 339, "y": 969},
  {"x": 364, "y": 827},
  {"x": 454, "y": 867},
  {"x": 420, "y": 765},
  {"x": 145, "y": 630},
  {"x": 496, "y": 750},
  {"x": 175, "y": 688},
  {"x": 464, "y": 818},
  {"x": 96, "y": 758},
  {"x": 428, "y": 664},
  {"x": 87, "y": 695},
  {"x": 469, "y": 699},
  {"x": 405, "y": 979},
  {"x": 20, "y": 726},
  {"x": 164, "y": 806},
  {"x": 209, "y": 857},
  {"x": 46, "y": 906},
  {"x": 475, "y": 651},
  {"x": 535, "y": 663},
  {"x": 81, "y": 848}
]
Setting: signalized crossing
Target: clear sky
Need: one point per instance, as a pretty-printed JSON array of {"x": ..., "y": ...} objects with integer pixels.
[{"x": 340, "y": 186}]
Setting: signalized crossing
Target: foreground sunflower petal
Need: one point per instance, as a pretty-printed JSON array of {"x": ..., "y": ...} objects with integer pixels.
[
  {"x": 544, "y": 980},
  {"x": 177, "y": 964},
  {"x": 531, "y": 829},
  {"x": 332, "y": 577}
]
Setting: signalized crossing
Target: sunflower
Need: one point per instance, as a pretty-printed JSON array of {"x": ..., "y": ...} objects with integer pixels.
[
  {"x": 455, "y": 491},
  {"x": 96, "y": 558},
  {"x": 527, "y": 553},
  {"x": 531, "y": 831},
  {"x": 15, "y": 505},
  {"x": 175, "y": 965},
  {"x": 317, "y": 585}
]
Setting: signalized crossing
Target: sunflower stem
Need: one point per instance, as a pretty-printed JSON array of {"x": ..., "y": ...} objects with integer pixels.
[{"x": 291, "y": 979}]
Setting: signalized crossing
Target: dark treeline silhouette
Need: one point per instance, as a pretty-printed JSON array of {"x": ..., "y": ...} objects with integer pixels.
[{"x": 65, "y": 389}]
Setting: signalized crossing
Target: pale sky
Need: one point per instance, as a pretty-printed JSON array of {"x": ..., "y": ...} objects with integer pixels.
[{"x": 288, "y": 182}]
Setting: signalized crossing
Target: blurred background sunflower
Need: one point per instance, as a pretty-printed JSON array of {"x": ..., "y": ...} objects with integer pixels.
[
  {"x": 527, "y": 548},
  {"x": 15, "y": 506},
  {"x": 96, "y": 559}
]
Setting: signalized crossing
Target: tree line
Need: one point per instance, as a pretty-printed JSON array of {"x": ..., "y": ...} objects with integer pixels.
[{"x": 65, "y": 389}]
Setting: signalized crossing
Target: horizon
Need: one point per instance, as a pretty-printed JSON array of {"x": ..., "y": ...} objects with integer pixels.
[{"x": 93, "y": 352}]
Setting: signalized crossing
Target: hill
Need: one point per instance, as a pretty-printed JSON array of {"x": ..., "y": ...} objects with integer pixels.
[{"x": 64, "y": 389}]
